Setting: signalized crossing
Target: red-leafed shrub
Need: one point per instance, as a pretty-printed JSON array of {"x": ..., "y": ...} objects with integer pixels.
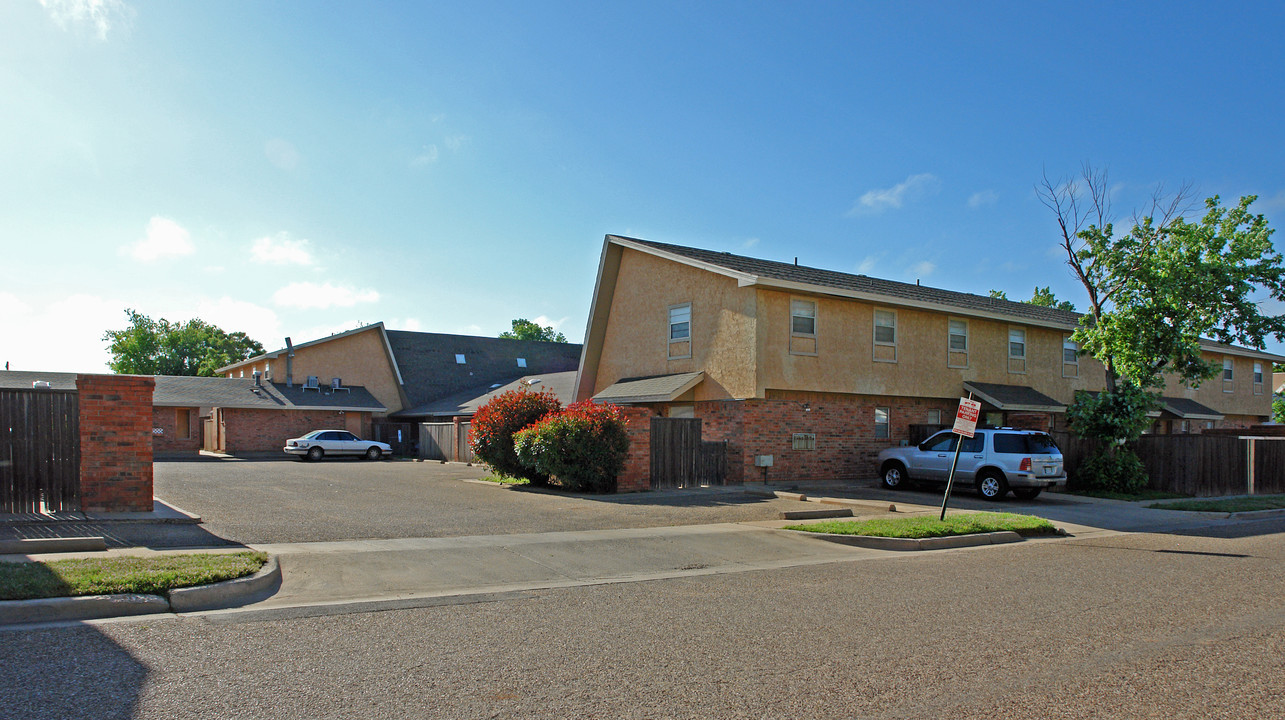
[
  {"x": 491, "y": 431},
  {"x": 583, "y": 447}
]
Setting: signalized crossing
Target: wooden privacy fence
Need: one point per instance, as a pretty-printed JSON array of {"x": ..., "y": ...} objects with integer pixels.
[
  {"x": 403, "y": 437},
  {"x": 681, "y": 459},
  {"x": 39, "y": 451},
  {"x": 445, "y": 441},
  {"x": 1201, "y": 465}
]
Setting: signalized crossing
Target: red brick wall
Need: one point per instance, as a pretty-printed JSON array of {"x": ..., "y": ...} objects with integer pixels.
[
  {"x": 115, "y": 442},
  {"x": 171, "y": 437},
  {"x": 636, "y": 475},
  {"x": 844, "y": 425},
  {"x": 266, "y": 431},
  {"x": 1031, "y": 421}
]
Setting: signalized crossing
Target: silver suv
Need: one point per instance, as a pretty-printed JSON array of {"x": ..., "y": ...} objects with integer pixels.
[{"x": 994, "y": 459}]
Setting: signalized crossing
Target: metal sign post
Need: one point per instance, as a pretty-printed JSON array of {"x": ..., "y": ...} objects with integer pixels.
[{"x": 965, "y": 426}]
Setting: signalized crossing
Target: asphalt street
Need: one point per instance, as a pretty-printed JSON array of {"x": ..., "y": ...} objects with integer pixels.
[{"x": 1175, "y": 625}]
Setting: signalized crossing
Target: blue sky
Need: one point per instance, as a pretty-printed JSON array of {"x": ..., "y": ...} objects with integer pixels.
[{"x": 299, "y": 168}]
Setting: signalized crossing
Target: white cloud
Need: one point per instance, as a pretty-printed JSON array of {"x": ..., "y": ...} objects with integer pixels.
[
  {"x": 427, "y": 156},
  {"x": 281, "y": 249},
  {"x": 65, "y": 335},
  {"x": 923, "y": 269},
  {"x": 880, "y": 199},
  {"x": 259, "y": 322},
  {"x": 165, "y": 238},
  {"x": 544, "y": 321},
  {"x": 985, "y": 197},
  {"x": 100, "y": 15},
  {"x": 307, "y": 295},
  {"x": 410, "y": 324},
  {"x": 281, "y": 153},
  {"x": 868, "y": 264},
  {"x": 749, "y": 243}
]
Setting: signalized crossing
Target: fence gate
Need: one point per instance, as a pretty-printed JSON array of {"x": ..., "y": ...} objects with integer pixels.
[
  {"x": 680, "y": 459},
  {"x": 39, "y": 451}
]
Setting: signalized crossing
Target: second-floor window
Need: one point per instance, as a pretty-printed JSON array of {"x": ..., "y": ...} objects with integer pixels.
[
  {"x": 680, "y": 322},
  {"x": 1017, "y": 343},
  {"x": 957, "y": 343},
  {"x": 1258, "y": 378},
  {"x": 1070, "y": 358},
  {"x": 1228, "y": 373},
  {"x": 680, "y": 331},
  {"x": 885, "y": 327},
  {"x": 803, "y": 317}
]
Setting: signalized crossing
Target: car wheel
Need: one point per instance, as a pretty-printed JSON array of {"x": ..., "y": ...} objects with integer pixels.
[
  {"x": 374, "y": 453},
  {"x": 992, "y": 486},
  {"x": 894, "y": 476},
  {"x": 1027, "y": 493},
  {"x": 315, "y": 453}
]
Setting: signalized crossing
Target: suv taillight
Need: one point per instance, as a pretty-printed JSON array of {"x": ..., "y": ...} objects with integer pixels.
[{"x": 1025, "y": 466}]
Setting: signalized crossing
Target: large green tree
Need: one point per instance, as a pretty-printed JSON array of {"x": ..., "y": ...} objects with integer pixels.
[
  {"x": 1157, "y": 289},
  {"x": 524, "y": 329},
  {"x": 161, "y": 347}
]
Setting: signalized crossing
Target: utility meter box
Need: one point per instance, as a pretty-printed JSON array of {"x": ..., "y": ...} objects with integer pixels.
[{"x": 762, "y": 461}]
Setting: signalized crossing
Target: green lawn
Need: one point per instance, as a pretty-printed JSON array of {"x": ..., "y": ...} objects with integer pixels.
[
  {"x": 926, "y": 527},
  {"x": 1245, "y": 504},
  {"x": 108, "y": 576}
]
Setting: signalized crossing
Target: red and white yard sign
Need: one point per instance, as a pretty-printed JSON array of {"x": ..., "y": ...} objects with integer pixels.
[{"x": 966, "y": 418}]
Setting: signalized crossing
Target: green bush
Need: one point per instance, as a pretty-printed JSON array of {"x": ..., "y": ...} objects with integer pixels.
[
  {"x": 494, "y": 424},
  {"x": 1112, "y": 468},
  {"x": 583, "y": 448}
]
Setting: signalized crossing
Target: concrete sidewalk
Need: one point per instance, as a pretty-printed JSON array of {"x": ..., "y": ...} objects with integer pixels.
[{"x": 366, "y": 571}]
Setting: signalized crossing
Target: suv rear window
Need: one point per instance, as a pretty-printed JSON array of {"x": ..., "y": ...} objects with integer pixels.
[{"x": 1023, "y": 444}]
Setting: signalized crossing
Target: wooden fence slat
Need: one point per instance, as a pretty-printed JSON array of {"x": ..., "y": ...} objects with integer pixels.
[{"x": 39, "y": 451}]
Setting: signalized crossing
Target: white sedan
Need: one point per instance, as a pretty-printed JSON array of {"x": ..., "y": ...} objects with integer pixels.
[{"x": 320, "y": 443}]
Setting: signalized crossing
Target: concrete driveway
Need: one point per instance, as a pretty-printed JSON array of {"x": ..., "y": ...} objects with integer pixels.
[{"x": 284, "y": 501}]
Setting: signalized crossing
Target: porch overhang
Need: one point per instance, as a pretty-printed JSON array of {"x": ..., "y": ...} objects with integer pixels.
[
  {"x": 1014, "y": 398},
  {"x": 656, "y": 388},
  {"x": 1187, "y": 409}
]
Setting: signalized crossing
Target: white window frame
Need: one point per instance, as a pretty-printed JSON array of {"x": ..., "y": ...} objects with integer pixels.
[
  {"x": 669, "y": 330},
  {"x": 950, "y": 350},
  {"x": 1021, "y": 330},
  {"x": 886, "y": 424},
  {"x": 1229, "y": 374},
  {"x": 876, "y": 326},
  {"x": 1258, "y": 378},
  {"x": 813, "y": 317},
  {"x": 934, "y": 413}
]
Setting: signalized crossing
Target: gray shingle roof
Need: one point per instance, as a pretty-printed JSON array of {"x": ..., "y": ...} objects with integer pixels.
[
  {"x": 1014, "y": 397},
  {"x": 561, "y": 384},
  {"x": 657, "y": 388},
  {"x": 429, "y": 370},
  {"x": 183, "y": 391},
  {"x": 1189, "y": 409},
  {"x": 863, "y": 283},
  {"x": 22, "y": 379}
]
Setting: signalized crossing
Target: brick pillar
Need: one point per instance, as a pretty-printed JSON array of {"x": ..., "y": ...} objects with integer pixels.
[
  {"x": 115, "y": 442},
  {"x": 636, "y": 475}
]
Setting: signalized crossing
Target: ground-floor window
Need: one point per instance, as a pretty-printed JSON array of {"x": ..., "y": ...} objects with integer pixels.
[{"x": 882, "y": 416}]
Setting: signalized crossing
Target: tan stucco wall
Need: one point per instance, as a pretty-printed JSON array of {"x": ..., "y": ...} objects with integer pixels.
[
  {"x": 636, "y": 342},
  {"x": 725, "y": 317},
  {"x": 358, "y": 359},
  {"x": 1242, "y": 400},
  {"x": 846, "y": 360}
]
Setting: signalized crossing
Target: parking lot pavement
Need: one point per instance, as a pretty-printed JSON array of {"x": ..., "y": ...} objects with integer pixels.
[{"x": 282, "y": 501}]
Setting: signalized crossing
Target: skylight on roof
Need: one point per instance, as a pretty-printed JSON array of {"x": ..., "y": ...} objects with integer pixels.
[
  {"x": 521, "y": 362},
  {"x": 459, "y": 359}
]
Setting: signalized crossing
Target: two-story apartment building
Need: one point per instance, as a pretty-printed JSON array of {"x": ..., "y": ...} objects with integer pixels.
[{"x": 822, "y": 369}]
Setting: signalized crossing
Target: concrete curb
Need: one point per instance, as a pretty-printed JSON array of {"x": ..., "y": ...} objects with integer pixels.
[
  {"x": 815, "y": 514},
  {"x": 876, "y": 505},
  {"x": 33, "y": 546},
  {"x": 229, "y": 593},
  {"x": 938, "y": 543}
]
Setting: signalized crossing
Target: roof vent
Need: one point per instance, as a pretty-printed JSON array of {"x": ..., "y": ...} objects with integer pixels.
[{"x": 40, "y": 385}]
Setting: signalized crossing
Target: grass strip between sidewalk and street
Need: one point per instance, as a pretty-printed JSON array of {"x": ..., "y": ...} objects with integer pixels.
[
  {"x": 109, "y": 576},
  {"x": 929, "y": 527},
  {"x": 1230, "y": 505}
]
